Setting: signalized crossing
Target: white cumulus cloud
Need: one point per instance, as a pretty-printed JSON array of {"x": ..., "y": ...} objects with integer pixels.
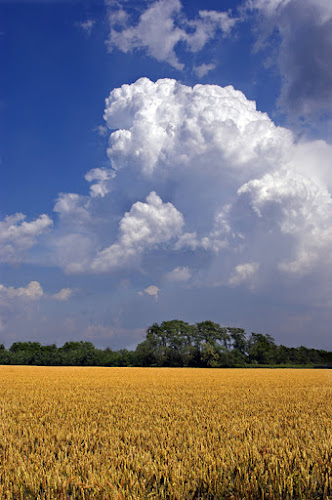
[
  {"x": 166, "y": 123},
  {"x": 162, "y": 26},
  {"x": 303, "y": 210},
  {"x": 243, "y": 273},
  {"x": 17, "y": 235},
  {"x": 33, "y": 291},
  {"x": 152, "y": 290},
  {"x": 146, "y": 226},
  {"x": 99, "y": 179}
]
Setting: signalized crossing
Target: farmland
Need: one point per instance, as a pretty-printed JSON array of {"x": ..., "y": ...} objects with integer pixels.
[{"x": 137, "y": 433}]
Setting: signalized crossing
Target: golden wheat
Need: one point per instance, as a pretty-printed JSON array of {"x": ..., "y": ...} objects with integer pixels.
[{"x": 132, "y": 433}]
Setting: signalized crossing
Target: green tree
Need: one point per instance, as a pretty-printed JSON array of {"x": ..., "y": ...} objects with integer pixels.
[
  {"x": 262, "y": 349},
  {"x": 210, "y": 356},
  {"x": 145, "y": 354},
  {"x": 4, "y": 355},
  {"x": 171, "y": 342},
  {"x": 212, "y": 341},
  {"x": 79, "y": 354},
  {"x": 212, "y": 333},
  {"x": 25, "y": 353},
  {"x": 239, "y": 342}
]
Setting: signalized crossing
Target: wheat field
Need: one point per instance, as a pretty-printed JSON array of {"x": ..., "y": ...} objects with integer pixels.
[{"x": 150, "y": 433}]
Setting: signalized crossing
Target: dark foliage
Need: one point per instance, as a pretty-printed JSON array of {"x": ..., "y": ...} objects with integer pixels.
[{"x": 173, "y": 343}]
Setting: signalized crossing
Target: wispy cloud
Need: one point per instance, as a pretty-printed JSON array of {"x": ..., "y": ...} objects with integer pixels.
[
  {"x": 20, "y": 307},
  {"x": 87, "y": 26},
  {"x": 63, "y": 294},
  {"x": 179, "y": 274},
  {"x": 303, "y": 53},
  {"x": 203, "y": 69},
  {"x": 101, "y": 130}
]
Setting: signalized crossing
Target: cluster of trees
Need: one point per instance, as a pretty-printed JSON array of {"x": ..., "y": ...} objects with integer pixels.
[
  {"x": 207, "y": 344},
  {"x": 172, "y": 343}
]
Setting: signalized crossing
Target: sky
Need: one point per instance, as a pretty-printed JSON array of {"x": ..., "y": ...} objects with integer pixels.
[{"x": 165, "y": 159}]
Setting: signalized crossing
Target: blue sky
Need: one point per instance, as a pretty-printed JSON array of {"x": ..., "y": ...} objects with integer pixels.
[{"x": 200, "y": 189}]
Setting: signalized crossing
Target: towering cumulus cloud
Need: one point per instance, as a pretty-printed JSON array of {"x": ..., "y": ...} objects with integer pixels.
[
  {"x": 200, "y": 170},
  {"x": 167, "y": 124}
]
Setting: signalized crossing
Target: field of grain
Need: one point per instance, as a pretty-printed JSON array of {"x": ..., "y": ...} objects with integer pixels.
[{"x": 132, "y": 433}]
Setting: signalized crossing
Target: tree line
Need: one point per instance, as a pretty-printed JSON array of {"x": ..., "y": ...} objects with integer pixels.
[{"x": 172, "y": 343}]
